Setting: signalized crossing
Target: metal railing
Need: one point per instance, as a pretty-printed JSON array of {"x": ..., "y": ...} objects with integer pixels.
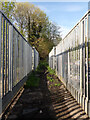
[
  {"x": 71, "y": 59},
  {"x": 15, "y": 61},
  {"x": 35, "y": 58}
]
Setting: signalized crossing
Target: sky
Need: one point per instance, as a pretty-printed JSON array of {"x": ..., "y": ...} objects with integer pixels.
[{"x": 64, "y": 14}]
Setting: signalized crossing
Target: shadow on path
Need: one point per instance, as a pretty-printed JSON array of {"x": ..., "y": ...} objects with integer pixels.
[{"x": 46, "y": 102}]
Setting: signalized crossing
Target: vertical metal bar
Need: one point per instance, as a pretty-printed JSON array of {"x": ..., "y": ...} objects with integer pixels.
[
  {"x": 10, "y": 57},
  {"x": 86, "y": 59},
  {"x": 68, "y": 66},
  {"x": 87, "y": 56},
  {"x": 3, "y": 60},
  {"x": 81, "y": 61},
  {"x": 15, "y": 60},
  {"x": 34, "y": 59},
  {"x": 88, "y": 80},
  {"x": 83, "y": 57},
  {"x": 6, "y": 58},
  {"x": 0, "y": 67},
  {"x": 18, "y": 58},
  {"x": 26, "y": 58},
  {"x": 22, "y": 57},
  {"x": 9, "y": 61},
  {"x": 31, "y": 58}
]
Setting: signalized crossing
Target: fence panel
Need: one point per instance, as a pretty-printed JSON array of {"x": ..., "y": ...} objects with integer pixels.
[
  {"x": 15, "y": 61},
  {"x": 35, "y": 58},
  {"x": 73, "y": 61}
]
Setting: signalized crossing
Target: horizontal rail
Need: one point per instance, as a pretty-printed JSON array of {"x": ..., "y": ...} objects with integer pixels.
[{"x": 88, "y": 12}]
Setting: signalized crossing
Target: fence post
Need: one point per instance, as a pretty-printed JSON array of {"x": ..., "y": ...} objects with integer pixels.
[
  {"x": 68, "y": 67},
  {"x": 34, "y": 58},
  {"x": 10, "y": 57},
  {"x": 81, "y": 60},
  {"x": 88, "y": 77},
  {"x": 26, "y": 48},
  {"x": 0, "y": 68}
]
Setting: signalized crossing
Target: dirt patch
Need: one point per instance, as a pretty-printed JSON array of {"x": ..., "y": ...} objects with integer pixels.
[{"x": 49, "y": 101}]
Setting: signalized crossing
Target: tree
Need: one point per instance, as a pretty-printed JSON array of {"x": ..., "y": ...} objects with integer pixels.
[
  {"x": 34, "y": 24},
  {"x": 54, "y": 33},
  {"x": 8, "y": 8},
  {"x": 32, "y": 19}
]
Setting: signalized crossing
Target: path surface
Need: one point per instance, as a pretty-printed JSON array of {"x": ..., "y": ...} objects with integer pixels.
[{"x": 46, "y": 102}]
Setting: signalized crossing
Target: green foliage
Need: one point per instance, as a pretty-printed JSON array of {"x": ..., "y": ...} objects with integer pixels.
[
  {"x": 33, "y": 80},
  {"x": 34, "y": 24},
  {"x": 50, "y": 79},
  {"x": 51, "y": 71},
  {"x": 57, "y": 84},
  {"x": 42, "y": 66},
  {"x": 34, "y": 77},
  {"x": 8, "y": 8},
  {"x": 44, "y": 46}
]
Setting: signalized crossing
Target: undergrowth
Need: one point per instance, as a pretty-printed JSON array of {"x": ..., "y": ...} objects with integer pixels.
[
  {"x": 34, "y": 77},
  {"x": 33, "y": 80},
  {"x": 52, "y": 77}
]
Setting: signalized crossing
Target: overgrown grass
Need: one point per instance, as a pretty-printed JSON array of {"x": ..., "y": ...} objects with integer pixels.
[
  {"x": 33, "y": 80},
  {"x": 34, "y": 77},
  {"x": 50, "y": 75}
]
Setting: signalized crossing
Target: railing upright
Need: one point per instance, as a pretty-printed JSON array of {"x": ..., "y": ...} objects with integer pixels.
[{"x": 0, "y": 68}]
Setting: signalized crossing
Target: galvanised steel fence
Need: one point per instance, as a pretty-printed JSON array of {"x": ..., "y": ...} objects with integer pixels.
[
  {"x": 71, "y": 60},
  {"x": 15, "y": 61},
  {"x": 35, "y": 58}
]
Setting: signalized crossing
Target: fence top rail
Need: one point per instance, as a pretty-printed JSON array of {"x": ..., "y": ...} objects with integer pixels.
[
  {"x": 14, "y": 26},
  {"x": 77, "y": 23}
]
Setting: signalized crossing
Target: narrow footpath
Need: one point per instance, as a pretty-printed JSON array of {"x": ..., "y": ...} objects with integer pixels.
[{"x": 49, "y": 100}]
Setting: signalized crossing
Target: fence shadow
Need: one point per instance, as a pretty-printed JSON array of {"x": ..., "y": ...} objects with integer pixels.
[
  {"x": 65, "y": 106},
  {"x": 42, "y": 103}
]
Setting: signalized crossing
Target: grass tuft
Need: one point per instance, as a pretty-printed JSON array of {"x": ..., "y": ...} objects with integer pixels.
[{"x": 33, "y": 80}]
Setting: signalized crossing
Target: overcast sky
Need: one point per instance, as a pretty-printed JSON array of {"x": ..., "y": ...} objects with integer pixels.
[{"x": 65, "y": 14}]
